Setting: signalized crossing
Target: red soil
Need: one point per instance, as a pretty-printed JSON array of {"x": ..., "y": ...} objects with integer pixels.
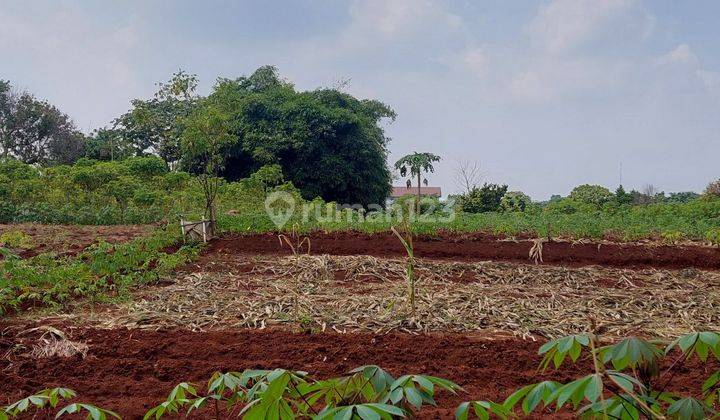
[
  {"x": 478, "y": 246},
  {"x": 130, "y": 371},
  {"x": 72, "y": 239}
]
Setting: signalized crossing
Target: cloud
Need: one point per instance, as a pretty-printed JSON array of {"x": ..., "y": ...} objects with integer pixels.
[
  {"x": 682, "y": 54},
  {"x": 579, "y": 48},
  {"x": 565, "y": 26},
  {"x": 77, "y": 61},
  {"x": 399, "y": 17},
  {"x": 477, "y": 61}
]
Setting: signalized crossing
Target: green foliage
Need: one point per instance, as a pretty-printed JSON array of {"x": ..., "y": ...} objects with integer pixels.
[
  {"x": 484, "y": 199},
  {"x": 514, "y": 201},
  {"x": 157, "y": 125},
  {"x": 367, "y": 392},
  {"x": 36, "y": 132},
  {"x": 47, "y": 398},
  {"x": 591, "y": 194},
  {"x": 328, "y": 143},
  {"x": 94, "y": 273},
  {"x": 627, "y": 382},
  {"x": 623, "y": 197},
  {"x": 713, "y": 236}
]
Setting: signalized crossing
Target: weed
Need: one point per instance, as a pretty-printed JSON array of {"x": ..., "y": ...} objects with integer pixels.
[{"x": 16, "y": 239}]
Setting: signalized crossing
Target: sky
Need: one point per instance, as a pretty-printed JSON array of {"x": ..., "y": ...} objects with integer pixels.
[{"x": 543, "y": 95}]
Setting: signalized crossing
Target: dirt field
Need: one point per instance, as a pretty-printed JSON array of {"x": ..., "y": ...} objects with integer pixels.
[
  {"x": 480, "y": 247},
  {"x": 69, "y": 240},
  {"x": 480, "y": 319},
  {"x": 143, "y": 366}
]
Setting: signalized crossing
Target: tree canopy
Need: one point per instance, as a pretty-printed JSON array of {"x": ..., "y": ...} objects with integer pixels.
[
  {"x": 328, "y": 143},
  {"x": 35, "y": 131}
]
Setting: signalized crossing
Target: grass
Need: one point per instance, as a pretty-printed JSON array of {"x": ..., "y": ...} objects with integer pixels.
[{"x": 696, "y": 220}]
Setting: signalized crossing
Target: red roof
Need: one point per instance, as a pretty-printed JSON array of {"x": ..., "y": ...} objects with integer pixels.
[{"x": 398, "y": 192}]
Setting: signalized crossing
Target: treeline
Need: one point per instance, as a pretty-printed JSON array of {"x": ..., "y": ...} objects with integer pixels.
[{"x": 326, "y": 142}]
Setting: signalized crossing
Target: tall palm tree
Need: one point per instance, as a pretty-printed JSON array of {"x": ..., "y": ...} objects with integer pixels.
[{"x": 415, "y": 164}]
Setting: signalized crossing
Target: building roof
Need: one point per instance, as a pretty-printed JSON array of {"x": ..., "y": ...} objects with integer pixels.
[{"x": 398, "y": 192}]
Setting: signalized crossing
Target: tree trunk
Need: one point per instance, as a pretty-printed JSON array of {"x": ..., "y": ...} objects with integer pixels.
[{"x": 418, "y": 194}]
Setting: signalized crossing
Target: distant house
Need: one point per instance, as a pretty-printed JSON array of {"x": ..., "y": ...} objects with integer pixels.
[{"x": 398, "y": 192}]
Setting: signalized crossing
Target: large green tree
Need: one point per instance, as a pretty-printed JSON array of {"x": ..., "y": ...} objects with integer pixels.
[
  {"x": 328, "y": 143},
  {"x": 35, "y": 131}
]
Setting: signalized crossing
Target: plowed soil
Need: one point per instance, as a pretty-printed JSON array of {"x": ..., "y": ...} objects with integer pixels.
[
  {"x": 130, "y": 371},
  {"x": 478, "y": 246},
  {"x": 71, "y": 239}
]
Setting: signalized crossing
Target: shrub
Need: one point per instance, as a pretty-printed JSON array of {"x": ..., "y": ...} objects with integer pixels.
[
  {"x": 591, "y": 194},
  {"x": 428, "y": 205},
  {"x": 146, "y": 166},
  {"x": 514, "y": 201},
  {"x": 484, "y": 199},
  {"x": 682, "y": 197},
  {"x": 713, "y": 235},
  {"x": 267, "y": 177}
]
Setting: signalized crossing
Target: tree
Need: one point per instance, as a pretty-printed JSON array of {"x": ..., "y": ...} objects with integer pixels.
[
  {"x": 206, "y": 135},
  {"x": 156, "y": 125},
  {"x": 35, "y": 131},
  {"x": 108, "y": 144},
  {"x": 484, "y": 199},
  {"x": 684, "y": 196},
  {"x": 713, "y": 189},
  {"x": 414, "y": 165},
  {"x": 591, "y": 194},
  {"x": 8, "y": 105},
  {"x": 328, "y": 143},
  {"x": 622, "y": 196},
  {"x": 515, "y": 201},
  {"x": 467, "y": 175}
]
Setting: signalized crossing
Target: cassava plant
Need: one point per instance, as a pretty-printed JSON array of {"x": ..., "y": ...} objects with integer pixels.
[
  {"x": 44, "y": 403},
  {"x": 627, "y": 381},
  {"x": 367, "y": 392}
]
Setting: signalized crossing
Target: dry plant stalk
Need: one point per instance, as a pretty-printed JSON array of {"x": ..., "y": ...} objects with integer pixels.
[
  {"x": 54, "y": 342},
  {"x": 536, "y": 250},
  {"x": 358, "y": 293},
  {"x": 296, "y": 248}
]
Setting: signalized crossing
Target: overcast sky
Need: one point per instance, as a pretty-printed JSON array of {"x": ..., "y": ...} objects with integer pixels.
[{"x": 545, "y": 95}]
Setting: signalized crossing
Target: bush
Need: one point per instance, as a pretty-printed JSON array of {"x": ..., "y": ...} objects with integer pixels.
[
  {"x": 428, "y": 205},
  {"x": 485, "y": 199},
  {"x": 146, "y": 166},
  {"x": 267, "y": 177},
  {"x": 514, "y": 201},
  {"x": 591, "y": 194}
]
